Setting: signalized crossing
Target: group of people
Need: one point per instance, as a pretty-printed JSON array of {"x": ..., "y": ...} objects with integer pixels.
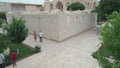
[
  {"x": 40, "y": 36},
  {"x": 2, "y": 60}
]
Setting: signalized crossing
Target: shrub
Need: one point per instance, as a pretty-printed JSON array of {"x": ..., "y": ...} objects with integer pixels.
[
  {"x": 17, "y": 31},
  {"x": 103, "y": 62},
  {"x": 76, "y": 6},
  {"x": 110, "y": 42},
  {"x": 3, "y": 15},
  {"x": 110, "y": 34},
  {"x": 37, "y": 49},
  {"x": 4, "y": 42},
  {"x": 117, "y": 64},
  {"x": 95, "y": 55}
]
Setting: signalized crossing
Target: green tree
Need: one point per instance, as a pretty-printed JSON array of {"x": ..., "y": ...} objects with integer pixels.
[
  {"x": 17, "y": 31},
  {"x": 76, "y": 6},
  {"x": 106, "y": 7},
  {"x": 110, "y": 34}
]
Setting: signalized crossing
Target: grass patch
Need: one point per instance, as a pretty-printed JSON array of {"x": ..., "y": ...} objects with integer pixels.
[{"x": 24, "y": 51}]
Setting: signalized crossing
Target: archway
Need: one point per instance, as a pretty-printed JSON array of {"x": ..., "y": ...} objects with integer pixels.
[
  {"x": 51, "y": 6},
  {"x": 59, "y": 5}
]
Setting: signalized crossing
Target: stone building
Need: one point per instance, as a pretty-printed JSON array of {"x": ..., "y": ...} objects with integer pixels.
[
  {"x": 57, "y": 25},
  {"x": 19, "y": 7},
  {"x": 5, "y": 7},
  {"x": 55, "y": 22},
  {"x": 63, "y": 4}
]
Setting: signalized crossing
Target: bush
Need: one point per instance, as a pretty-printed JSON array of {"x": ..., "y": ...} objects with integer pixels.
[
  {"x": 76, "y": 6},
  {"x": 103, "y": 62},
  {"x": 110, "y": 42},
  {"x": 106, "y": 7},
  {"x": 3, "y": 15},
  {"x": 110, "y": 34},
  {"x": 95, "y": 55},
  {"x": 17, "y": 31},
  {"x": 117, "y": 64},
  {"x": 4, "y": 42},
  {"x": 37, "y": 49}
]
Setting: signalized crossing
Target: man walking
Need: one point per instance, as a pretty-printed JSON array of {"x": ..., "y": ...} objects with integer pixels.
[
  {"x": 40, "y": 36},
  {"x": 13, "y": 58},
  {"x": 35, "y": 36}
]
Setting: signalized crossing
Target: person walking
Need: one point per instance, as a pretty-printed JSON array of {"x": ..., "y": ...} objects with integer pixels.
[
  {"x": 2, "y": 65},
  {"x": 40, "y": 36},
  {"x": 35, "y": 36},
  {"x": 13, "y": 59}
]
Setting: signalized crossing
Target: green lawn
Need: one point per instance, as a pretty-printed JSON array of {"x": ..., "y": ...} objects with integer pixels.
[{"x": 24, "y": 51}]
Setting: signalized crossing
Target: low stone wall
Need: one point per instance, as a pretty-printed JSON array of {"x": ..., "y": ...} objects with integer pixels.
[{"x": 57, "y": 26}]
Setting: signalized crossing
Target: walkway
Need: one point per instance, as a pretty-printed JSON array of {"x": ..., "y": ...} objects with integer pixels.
[{"x": 72, "y": 53}]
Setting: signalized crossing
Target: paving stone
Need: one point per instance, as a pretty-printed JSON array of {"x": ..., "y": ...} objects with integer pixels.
[{"x": 71, "y": 53}]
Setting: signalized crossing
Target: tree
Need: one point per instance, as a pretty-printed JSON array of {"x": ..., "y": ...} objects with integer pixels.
[
  {"x": 110, "y": 38},
  {"x": 110, "y": 34},
  {"x": 17, "y": 31},
  {"x": 106, "y": 7},
  {"x": 76, "y": 6}
]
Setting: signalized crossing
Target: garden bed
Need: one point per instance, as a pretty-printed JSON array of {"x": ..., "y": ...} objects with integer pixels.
[{"x": 22, "y": 50}]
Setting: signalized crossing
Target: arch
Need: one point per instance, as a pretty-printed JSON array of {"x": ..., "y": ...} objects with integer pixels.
[
  {"x": 59, "y": 5},
  {"x": 51, "y": 6}
]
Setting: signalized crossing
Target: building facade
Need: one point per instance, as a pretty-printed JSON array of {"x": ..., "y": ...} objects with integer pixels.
[
  {"x": 19, "y": 7},
  {"x": 63, "y": 4},
  {"x": 57, "y": 26}
]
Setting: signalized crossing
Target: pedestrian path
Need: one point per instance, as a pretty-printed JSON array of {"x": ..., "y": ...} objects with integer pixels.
[{"x": 71, "y": 53}]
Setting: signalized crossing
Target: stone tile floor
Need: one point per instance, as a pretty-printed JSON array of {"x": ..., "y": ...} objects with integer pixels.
[{"x": 71, "y": 53}]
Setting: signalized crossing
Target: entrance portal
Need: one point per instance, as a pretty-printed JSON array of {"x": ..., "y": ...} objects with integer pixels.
[{"x": 59, "y": 5}]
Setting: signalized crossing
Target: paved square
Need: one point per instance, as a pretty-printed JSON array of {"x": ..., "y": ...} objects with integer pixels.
[{"x": 71, "y": 53}]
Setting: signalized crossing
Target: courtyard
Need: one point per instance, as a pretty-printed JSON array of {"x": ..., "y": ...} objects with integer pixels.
[{"x": 74, "y": 52}]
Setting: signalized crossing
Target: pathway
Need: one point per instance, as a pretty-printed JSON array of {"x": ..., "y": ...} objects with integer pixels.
[{"x": 72, "y": 53}]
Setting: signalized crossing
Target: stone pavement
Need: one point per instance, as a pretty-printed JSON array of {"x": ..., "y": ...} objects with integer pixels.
[{"x": 71, "y": 53}]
